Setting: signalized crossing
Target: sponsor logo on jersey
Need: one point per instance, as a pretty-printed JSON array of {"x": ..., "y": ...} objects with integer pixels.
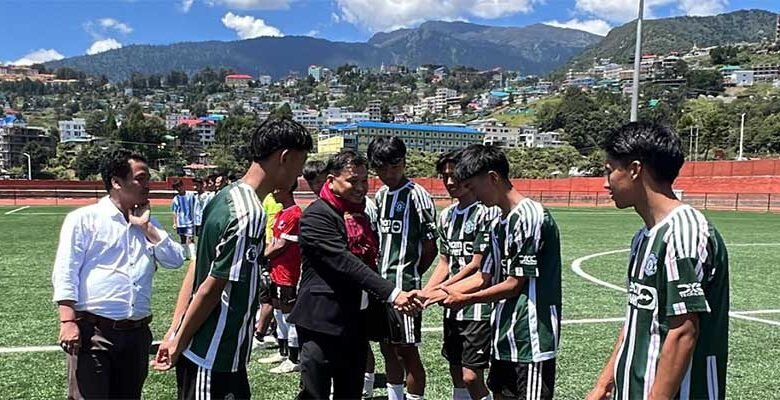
[
  {"x": 690, "y": 290},
  {"x": 461, "y": 248},
  {"x": 252, "y": 254},
  {"x": 641, "y": 296},
  {"x": 390, "y": 226},
  {"x": 527, "y": 260},
  {"x": 651, "y": 265}
]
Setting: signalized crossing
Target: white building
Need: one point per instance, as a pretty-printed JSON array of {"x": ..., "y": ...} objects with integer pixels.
[
  {"x": 742, "y": 78},
  {"x": 264, "y": 80},
  {"x": 74, "y": 130},
  {"x": 172, "y": 119},
  {"x": 509, "y": 137},
  {"x": 308, "y": 118},
  {"x": 205, "y": 130}
]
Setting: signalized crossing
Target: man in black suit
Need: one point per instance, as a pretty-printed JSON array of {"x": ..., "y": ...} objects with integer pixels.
[{"x": 331, "y": 328}]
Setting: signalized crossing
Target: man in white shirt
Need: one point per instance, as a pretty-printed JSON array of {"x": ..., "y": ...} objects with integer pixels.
[{"x": 102, "y": 280}]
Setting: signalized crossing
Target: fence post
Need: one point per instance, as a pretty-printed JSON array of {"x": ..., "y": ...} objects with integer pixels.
[
  {"x": 56, "y": 197},
  {"x": 736, "y": 206},
  {"x": 568, "y": 202},
  {"x": 597, "y": 199},
  {"x": 15, "y": 197},
  {"x": 541, "y": 197},
  {"x": 769, "y": 202}
]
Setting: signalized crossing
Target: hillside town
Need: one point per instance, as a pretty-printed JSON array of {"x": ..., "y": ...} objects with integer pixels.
[{"x": 434, "y": 108}]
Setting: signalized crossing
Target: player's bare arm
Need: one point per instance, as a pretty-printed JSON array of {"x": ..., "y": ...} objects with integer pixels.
[
  {"x": 204, "y": 301},
  {"x": 675, "y": 356},
  {"x": 182, "y": 300},
  {"x": 467, "y": 271},
  {"x": 439, "y": 275},
  {"x": 606, "y": 381},
  {"x": 508, "y": 288},
  {"x": 429, "y": 253},
  {"x": 276, "y": 248}
]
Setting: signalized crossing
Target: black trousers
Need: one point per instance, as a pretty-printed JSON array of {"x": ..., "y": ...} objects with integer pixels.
[
  {"x": 336, "y": 359},
  {"x": 110, "y": 364}
]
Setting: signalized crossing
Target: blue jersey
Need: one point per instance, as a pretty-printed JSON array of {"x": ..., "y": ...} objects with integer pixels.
[
  {"x": 183, "y": 206},
  {"x": 201, "y": 200}
]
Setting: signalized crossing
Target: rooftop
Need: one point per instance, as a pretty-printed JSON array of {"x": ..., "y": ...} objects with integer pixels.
[
  {"x": 238, "y": 76},
  {"x": 418, "y": 127}
]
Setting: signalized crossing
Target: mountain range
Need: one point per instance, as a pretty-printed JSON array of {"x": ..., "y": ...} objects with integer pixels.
[{"x": 533, "y": 49}]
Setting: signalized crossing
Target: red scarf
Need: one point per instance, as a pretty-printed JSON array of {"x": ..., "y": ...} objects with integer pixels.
[{"x": 361, "y": 238}]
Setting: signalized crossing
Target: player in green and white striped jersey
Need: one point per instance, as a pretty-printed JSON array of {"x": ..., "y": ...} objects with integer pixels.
[
  {"x": 219, "y": 296},
  {"x": 407, "y": 247},
  {"x": 674, "y": 343},
  {"x": 463, "y": 237},
  {"x": 524, "y": 265}
]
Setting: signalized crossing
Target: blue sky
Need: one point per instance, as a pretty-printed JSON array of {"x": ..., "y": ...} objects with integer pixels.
[{"x": 41, "y": 30}]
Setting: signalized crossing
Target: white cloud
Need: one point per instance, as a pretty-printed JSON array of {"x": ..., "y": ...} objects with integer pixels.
[
  {"x": 627, "y": 10},
  {"x": 38, "y": 56},
  {"x": 252, "y": 4},
  {"x": 312, "y": 33},
  {"x": 102, "y": 45},
  {"x": 119, "y": 26},
  {"x": 186, "y": 5},
  {"x": 595, "y": 26},
  {"x": 619, "y": 10},
  {"x": 248, "y": 27},
  {"x": 703, "y": 7},
  {"x": 335, "y": 18},
  {"x": 381, "y": 15}
]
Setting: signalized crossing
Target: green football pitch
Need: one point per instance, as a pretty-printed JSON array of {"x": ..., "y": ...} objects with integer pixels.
[{"x": 593, "y": 240}]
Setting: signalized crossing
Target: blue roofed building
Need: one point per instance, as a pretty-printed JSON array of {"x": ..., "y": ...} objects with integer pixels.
[{"x": 438, "y": 138}]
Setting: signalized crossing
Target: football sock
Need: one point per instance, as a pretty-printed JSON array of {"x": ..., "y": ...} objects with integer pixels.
[
  {"x": 368, "y": 384},
  {"x": 395, "y": 392},
  {"x": 460, "y": 394}
]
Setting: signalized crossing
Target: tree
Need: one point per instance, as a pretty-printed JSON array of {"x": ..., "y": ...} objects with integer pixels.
[
  {"x": 707, "y": 82},
  {"x": 39, "y": 156},
  {"x": 176, "y": 78},
  {"x": 723, "y": 55},
  {"x": 386, "y": 114},
  {"x": 283, "y": 111}
]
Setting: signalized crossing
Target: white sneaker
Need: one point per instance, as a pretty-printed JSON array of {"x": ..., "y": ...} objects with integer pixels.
[
  {"x": 272, "y": 359},
  {"x": 285, "y": 367},
  {"x": 269, "y": 339},
  {"x": 256, "y": 344}
]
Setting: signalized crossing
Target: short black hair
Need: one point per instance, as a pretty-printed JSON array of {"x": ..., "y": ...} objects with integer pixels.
[
  {"x": 655, "y": 146},
  {"x": 117, "y": 163},
  {"x": 278, "y": 133},
  {"x": 197, "y": 180},
  {"x": 384, "y": 150},
  {"x": 177, "y": 184},
  {"x": 446, "y": 158},
  {"x": 343, "y": 158},
  {"x": 313, "y": 169},
  {"x": 479, "y": 159}
]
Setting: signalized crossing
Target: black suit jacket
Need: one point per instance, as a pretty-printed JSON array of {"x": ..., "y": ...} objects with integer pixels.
[{"x": 332, "y": 278}]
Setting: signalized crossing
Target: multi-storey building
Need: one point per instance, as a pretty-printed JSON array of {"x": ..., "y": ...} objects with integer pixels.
[{"x": 74, "y": 130}]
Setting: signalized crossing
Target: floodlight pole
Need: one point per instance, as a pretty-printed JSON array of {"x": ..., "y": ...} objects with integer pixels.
[
  {"x": 741, "y": 137},
  {"x": 637, "y": 64},
  {"x": 29, "y": 166}
]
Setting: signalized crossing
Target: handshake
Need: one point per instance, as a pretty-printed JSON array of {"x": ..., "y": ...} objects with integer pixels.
[{"x": 415, "y": 301}]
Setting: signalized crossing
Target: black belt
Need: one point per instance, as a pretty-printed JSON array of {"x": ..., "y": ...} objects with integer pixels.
[{"x": 118, "y": 325}]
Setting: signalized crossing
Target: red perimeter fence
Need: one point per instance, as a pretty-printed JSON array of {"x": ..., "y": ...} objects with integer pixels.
[{"x": 718, "y": 185}]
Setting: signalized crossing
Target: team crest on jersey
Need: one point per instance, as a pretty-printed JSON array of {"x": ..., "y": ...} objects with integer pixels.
[
  {"x": 470, "y": 227},
  {"x": 400, "y": 206},
  {"x": 651, "y": 265},
  {"x": 252, "y": 254}
]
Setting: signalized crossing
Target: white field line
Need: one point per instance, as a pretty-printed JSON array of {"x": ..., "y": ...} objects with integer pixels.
[
  {"x": 17, "y": 210},
  {"x": 754, "y": 319},
  {"x": 40, "y": 349},
  {"x": 576, "y": 266}
]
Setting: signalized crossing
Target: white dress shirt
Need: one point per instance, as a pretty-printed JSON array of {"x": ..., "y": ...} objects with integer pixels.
[{"x": 106, "y": 265}]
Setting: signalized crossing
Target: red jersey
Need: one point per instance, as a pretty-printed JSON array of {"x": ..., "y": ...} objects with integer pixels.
[{"x": 286, "y": 267}]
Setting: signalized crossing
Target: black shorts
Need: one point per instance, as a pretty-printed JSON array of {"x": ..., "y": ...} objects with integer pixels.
[
  {"x": 467, "y": 343},
  {"x": 534, "y": 381},
  {"x": 194, "y": 382},
  {"x": 401, "y": 328},
  {"x": 284, "y": 294},
  {"x": 375, "y": 318},
  {"x": 264, "y": 291},
  {"x": 198, "y": 230}
]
